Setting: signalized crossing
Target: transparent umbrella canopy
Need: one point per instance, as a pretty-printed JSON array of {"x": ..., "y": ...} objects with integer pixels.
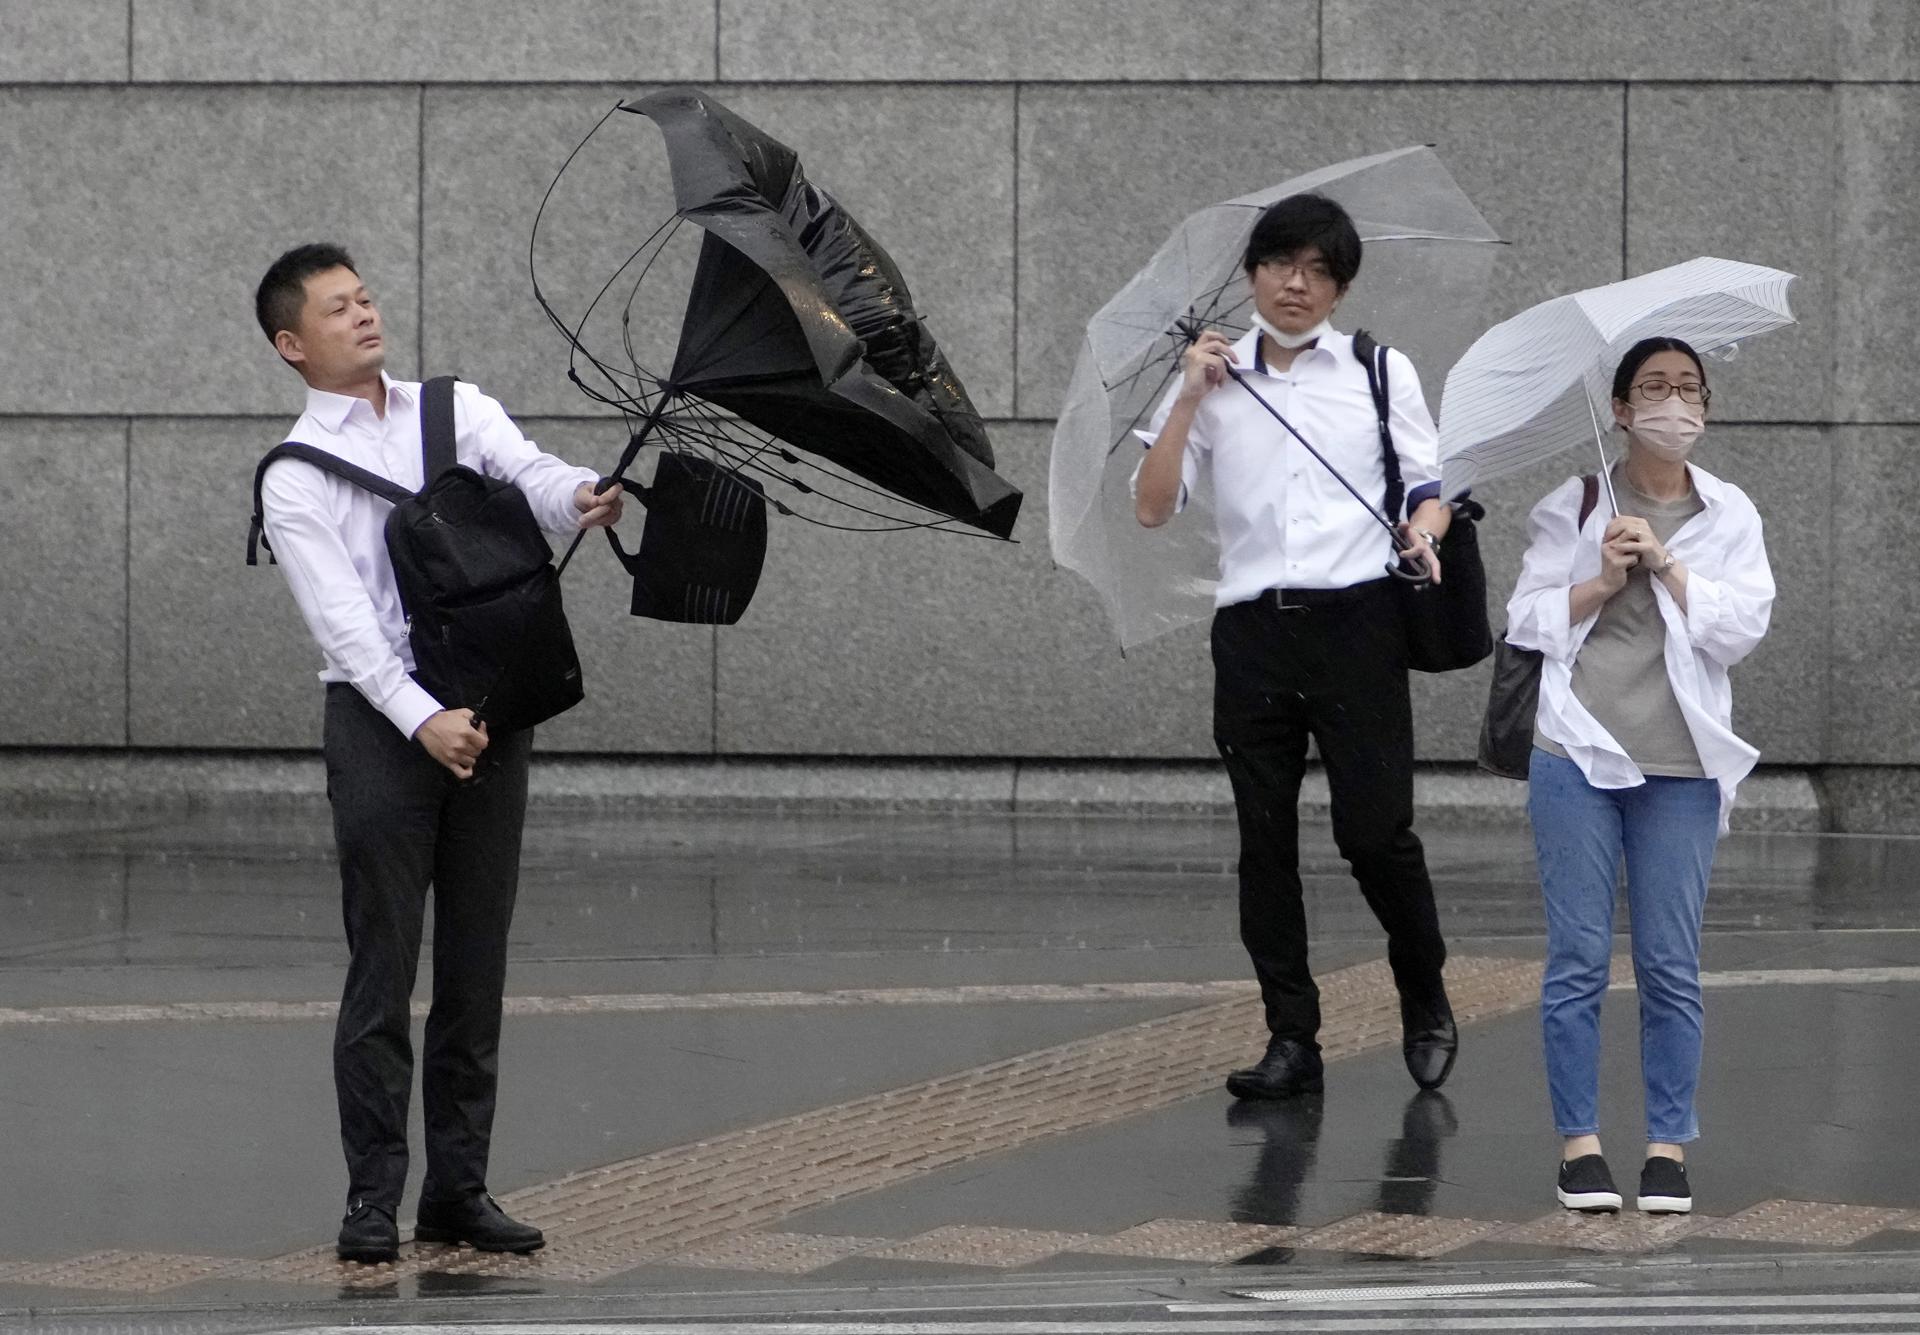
[{"x": 1427, "y": 257}]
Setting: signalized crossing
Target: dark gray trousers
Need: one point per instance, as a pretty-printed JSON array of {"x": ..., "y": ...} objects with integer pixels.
[{"x": 403, "y": 823}]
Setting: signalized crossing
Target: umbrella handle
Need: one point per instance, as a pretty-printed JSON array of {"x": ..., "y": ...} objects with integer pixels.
[{"x": 1413, "y": 570}]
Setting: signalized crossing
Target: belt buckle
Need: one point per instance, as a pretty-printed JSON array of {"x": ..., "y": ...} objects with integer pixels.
[{"x": 1280, "y": 603}]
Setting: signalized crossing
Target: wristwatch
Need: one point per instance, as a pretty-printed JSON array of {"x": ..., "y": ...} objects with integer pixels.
[
  {"x": 1433, "y": 539},
  {"x": 1668, "y": 564}
]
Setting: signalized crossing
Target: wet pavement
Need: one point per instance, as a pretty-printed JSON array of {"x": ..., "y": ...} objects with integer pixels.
[{"x": 812, "y": 1055}]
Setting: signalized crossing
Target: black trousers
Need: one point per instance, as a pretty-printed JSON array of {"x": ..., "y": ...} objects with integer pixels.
[
  {"x": 403, "y": 823},
  {"x": 1337, "y": 673}
]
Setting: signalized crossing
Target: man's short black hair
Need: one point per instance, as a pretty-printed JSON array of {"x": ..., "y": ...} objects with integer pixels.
[
  {"x": 283, "y": 291},
  {"x": 1292, "y": 224}
]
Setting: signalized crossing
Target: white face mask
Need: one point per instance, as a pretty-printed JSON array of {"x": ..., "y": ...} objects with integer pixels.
[
  {"x": 1286, "y": 340},
  {"x": 1667, "y": 429}
]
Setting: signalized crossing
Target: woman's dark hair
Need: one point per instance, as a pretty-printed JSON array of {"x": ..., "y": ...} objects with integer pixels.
[
  {"x": 1637, "y": 357},
  {"x": 282, "y": 293},
  {"x": 1292, "y": 224}
]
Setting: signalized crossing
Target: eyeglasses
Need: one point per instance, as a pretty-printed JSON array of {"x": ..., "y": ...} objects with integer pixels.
[
  {"x": 1653, "y": 391},
  {"x": 1314, "y": 272}
]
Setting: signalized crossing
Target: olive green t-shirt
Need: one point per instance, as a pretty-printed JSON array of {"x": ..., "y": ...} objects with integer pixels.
[{"x": 1620, "y": 674}]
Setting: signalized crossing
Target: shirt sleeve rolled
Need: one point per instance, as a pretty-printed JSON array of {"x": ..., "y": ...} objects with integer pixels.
[
  {"x": 1539, "y": 612},
  {"x": 1730, "y": 604}
]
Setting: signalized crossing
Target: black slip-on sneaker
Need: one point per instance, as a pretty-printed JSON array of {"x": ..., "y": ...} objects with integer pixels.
[
  {"x": 1663, "y": 1187},
  {"x": 1586, "y": 1185}
]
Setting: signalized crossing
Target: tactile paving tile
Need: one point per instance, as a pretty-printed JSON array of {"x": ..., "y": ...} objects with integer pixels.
[
  {"x": 1628, "y": 1231},
  {"x": 1409, "y": 1235},
  {"x": 119, "y": 1271},
  {"x": 638, "y": 1211},
  {"x": 964, "y": 1244},
  {"x": 1192, "y": 1240},
  {"x": 1811, "y": 1223},
  {"x": 780, "y": 1253}
]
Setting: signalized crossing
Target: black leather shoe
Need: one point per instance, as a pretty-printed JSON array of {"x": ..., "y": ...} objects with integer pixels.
[
  {"x": 479, "y": 1220},
  {"x": 368, "y": 1234},
  {"x": 1428, "y": 1039},
  {"x": 1290, "y": 1067}
]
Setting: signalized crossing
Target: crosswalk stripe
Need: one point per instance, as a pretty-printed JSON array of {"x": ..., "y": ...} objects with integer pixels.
[{"x": 1623, "y": 1302}]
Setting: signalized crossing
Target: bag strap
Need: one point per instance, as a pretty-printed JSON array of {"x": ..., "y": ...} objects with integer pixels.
[
  {"x": 385, "y": 488},
  {"x": 1589, "y": 498},
  {"x": 1374, "y": 357},
  {"x": 437, "y": 449}
]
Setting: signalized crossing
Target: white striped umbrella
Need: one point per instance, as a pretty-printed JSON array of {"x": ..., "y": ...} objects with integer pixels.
[{"x": 1542, "y": 381}]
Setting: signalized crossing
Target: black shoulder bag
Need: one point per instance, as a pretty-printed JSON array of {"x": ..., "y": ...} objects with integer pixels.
[
  {"x": 476, "y": 579},
  {"x": 1513, "y": 697},
  {"x": 1446, "y": 623}
]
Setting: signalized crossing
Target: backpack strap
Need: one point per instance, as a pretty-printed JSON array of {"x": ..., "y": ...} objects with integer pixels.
[
  {"x": 385, "y": 488},
  {"x": 1374, "y": 357},
  {"x": 1589, "y": 498},
  {"x": 437, "y": 450}
]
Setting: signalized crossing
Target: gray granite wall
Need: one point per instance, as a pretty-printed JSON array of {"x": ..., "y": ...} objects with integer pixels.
[{"x": 1021, "y": 158}]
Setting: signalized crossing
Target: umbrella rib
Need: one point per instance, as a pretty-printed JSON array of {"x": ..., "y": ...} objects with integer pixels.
[
  {"x": 727, "y": 448},
  {"x": 836, "y": 475}
]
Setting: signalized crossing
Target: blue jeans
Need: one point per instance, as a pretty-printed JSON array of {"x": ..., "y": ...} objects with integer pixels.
[{"x": 1666, "y": 829}]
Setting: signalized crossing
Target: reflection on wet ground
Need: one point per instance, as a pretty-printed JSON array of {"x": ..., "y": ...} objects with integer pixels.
[
  {"x": 260, "y": 891},
  {"x": 1013, "y": 966}
]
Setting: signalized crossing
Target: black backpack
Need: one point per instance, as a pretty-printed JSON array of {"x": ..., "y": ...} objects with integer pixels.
[
  {"x": 1446, "y": 623},
  {"x": 475, "y": 575}
]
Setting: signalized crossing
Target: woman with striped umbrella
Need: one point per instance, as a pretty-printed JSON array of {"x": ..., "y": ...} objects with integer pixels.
[{"x": 1636, "y": 609}]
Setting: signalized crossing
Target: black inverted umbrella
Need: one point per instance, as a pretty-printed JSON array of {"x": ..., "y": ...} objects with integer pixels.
[{"x": 798, "y": 324}]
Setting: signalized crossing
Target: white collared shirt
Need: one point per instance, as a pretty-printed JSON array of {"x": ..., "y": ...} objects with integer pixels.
[
  {"x": 1729, "y": 602},
  {"x": 1284, "y": 521},
  {"x": 329, "y": 536}
]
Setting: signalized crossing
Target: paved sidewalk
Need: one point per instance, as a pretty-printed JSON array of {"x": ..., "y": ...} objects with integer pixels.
[{"x": 753, "y": 1052}]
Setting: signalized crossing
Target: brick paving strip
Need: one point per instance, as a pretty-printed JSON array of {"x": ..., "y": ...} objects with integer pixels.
[{"x": 711, "y": 1203}]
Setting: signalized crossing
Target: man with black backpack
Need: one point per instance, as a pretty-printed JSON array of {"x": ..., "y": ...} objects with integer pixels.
[
  {"x": 407, "y": 526},
  {"x": 1308, "y": 632}
]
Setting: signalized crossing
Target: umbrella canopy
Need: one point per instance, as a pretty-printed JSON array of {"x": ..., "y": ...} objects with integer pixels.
[
  {"x": 1542, "y": 381},
  {"x": 1427, "y": 256},
  {"x": 801, "y": 324}
]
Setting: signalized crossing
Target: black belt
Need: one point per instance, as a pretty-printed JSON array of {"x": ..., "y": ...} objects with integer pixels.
[{"x": 1303, "y": 600}]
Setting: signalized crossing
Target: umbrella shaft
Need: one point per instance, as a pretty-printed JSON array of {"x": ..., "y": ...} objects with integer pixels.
[
  {"x": 1365, "y": 504},
  {"x": 626, "y": 461}
]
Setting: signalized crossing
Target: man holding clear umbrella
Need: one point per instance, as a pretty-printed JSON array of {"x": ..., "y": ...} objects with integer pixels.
[{"x": 1307, "y": 635}]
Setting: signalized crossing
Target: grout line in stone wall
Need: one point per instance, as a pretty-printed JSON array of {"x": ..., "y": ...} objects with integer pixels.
[
  {"x": 126, "y": 586},
  {"x": 1013, "y": 315},
  {"x": 420, "y": 241},
  {"x": 716, "y": 40},
  {"x": 1320, "y": 42},
  {"x": 130, "y": 4},
  {"x": 713, "y": 693},
  {"x": 1626, "y": 147}
]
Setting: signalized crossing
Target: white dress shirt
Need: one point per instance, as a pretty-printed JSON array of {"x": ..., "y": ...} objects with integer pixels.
[
  {"x": 1284, "y": 521},
  {"x": 329, "y": 536},
  {"x": 1729, "y": 601}
]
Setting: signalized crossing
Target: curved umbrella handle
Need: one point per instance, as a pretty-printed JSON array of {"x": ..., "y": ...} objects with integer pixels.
[{"x": 1413, "y": 570}]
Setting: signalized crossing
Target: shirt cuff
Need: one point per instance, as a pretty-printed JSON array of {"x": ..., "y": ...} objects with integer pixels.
[
  {"x": 410, "y": 706},
  {"x": 1420, "y": 495}
]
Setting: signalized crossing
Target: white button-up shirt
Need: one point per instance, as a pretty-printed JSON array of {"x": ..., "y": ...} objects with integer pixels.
[
  {"x": 1284, "y": 521},
  {"x": 329, "y": 536},
  {"x": 1729, "y": 602}
]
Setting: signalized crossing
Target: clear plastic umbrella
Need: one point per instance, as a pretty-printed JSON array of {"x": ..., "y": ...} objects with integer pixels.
[
  {"x": 1542, "y": 381},
  {"x": 1427, "y": 257}
]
